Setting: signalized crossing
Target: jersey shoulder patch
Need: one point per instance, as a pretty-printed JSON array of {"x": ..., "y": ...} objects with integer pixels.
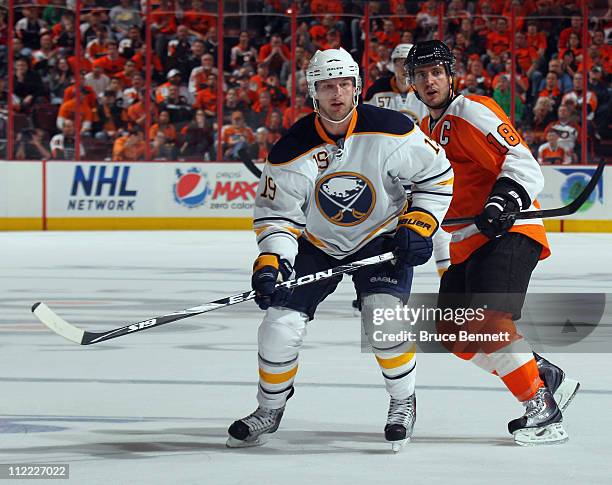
[
  {"x": 381, "y": 85},
  {"x": 300, "y": 139},
  {"x": 372, "y": 119}
]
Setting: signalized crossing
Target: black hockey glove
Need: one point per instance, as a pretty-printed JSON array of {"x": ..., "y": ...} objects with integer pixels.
[
  {"x": 268, "y": 270},
  {"x": 413, "y": 244},
  {"x": 506, "y": 200}
]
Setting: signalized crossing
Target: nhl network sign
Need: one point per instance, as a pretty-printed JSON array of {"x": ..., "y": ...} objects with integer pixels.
[{"x": 101, "y": 188}]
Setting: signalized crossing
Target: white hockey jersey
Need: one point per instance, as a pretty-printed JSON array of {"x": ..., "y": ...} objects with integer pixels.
[
  {"x": 384, "y": 94},
  {"x": 342, "y": 194}
]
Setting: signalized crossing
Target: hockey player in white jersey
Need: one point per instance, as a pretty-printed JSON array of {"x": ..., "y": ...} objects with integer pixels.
[
  {"x": 396, "y": 93},
  {"x": 331, "y": 193}
]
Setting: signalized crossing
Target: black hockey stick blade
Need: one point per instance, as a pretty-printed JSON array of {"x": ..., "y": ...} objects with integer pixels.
[
  {"x": 570, "y": 208},
  {"x": 83, "y": 337}
]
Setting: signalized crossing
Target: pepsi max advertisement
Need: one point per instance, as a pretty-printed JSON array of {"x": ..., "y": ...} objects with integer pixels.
[{"x": 94, "y": 189}]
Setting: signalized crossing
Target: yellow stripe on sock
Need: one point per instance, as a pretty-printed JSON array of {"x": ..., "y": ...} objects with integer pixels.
[
  {"x": 277, "y": 378},
  {"x": 398, "y": 361}
]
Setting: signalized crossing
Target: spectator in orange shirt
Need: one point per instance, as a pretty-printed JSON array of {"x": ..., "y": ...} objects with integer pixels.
[
  {"x": 278, "y": 93},
  {"x": 97, "y": 47},
  {"x": 206, "y": 98},
  {"x": 274, "y": 124},
  {"x": 318, "y": 32},
  {"x": 112, "y": 63},
  {"x": 130, "y": 147},
  {"x": 125, "y": 76},
  {"x": 163, "y": 137},
  {"x": 551, "y": 152},
  {"x": 163, "y": 26},
  {"x": 88, "y": 95},
  {"x": 383, "y": 61},
  {"x": 388, "y": 35},
  {"x": 483, "y": 79},
  {"x": 323, "y": 7},
  {"x": 604, "y": 50},
  {"x": 274, "y": 54},
  {"x": 244, "y": 91},
  {"x": 197, "y": 20},
  {"x": 136, "y": 114},
  {"x": 291, "y": 115},
  {"x": 67, "y": 112},
  {"x": 498, "y": 41},
  {"x": 526, "y": 55},
  {"x": 403, "y": 22},
  {"x": 140, "y": 58},
  {"x": 258, "y": 80},
  {"x": 535, "y": 39},
  {"x": 173, "y": 78},
  {"x": 551, "y": 89},
  {"x": 236, "y": 136},
  {"x": 575, "y": 27}
]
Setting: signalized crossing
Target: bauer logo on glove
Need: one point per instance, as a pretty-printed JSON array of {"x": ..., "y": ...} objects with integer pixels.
[{"x": 413, "y": 244}]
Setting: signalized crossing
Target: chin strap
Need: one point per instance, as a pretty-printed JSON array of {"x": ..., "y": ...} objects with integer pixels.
[{"x": 316, "y": 110}]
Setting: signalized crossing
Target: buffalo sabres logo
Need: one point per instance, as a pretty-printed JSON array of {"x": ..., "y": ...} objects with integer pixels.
[{"x": 345, "y": 198}]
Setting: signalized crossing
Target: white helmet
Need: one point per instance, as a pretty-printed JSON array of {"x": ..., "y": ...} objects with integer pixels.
[
  {"x": 401, "y": 51},
  {"x": 330, "y": 64}
]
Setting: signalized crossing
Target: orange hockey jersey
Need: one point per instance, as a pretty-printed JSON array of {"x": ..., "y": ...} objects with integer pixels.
[{"x": 482, "y": 146}]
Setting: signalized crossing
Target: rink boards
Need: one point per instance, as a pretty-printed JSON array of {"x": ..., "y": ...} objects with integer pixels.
[{"x": 66, "y": 195}]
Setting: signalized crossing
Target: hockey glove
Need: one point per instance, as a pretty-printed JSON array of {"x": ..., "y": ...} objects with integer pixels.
[
  {"x": 268, "y": 270},
  {"x": 413, "y": 244},
  {"x": 506, "y": 200}
]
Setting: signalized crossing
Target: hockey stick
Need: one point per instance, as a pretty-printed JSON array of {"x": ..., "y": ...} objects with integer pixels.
[
  {"x": 75, "y": 334},
  {"x": 570, "y": 208}
]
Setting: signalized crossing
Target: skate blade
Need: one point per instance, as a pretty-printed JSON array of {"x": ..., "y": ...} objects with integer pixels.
[
  {"x": 553, "y": 434},
  {"x": 566, "y": 393},
  {"x": 235, "y": 443},
  {"x": 396, "y": 446}
]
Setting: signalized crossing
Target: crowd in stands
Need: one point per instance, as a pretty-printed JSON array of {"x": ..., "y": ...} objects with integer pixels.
[{"x": 256, "y": 78}]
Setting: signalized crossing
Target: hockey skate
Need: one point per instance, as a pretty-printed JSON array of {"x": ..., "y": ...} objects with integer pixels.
[
  {"x": 563, "y": 388},
  {"x": 542, "y": 422},
  {"x": 251, "y": 430},
  {"x": 400, "y": 422}
]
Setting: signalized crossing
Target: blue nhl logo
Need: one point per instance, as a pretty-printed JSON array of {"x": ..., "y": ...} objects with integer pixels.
[
  {"x": 191, "y": 189},
  {"x": 345, "y": 198}
]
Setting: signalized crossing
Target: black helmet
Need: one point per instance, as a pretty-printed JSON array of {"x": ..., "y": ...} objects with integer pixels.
[{"x": 429, "y": 52}]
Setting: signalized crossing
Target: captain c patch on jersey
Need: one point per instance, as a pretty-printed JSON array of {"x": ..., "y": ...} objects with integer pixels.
[{"x": 345, "y": 198}]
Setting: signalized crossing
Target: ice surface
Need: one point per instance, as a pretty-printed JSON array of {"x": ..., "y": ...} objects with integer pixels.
[{"x": 153, "y": 408}]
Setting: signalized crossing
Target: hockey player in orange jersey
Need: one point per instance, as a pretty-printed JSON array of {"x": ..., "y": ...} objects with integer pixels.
[{"x": 491, "y": 260}]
